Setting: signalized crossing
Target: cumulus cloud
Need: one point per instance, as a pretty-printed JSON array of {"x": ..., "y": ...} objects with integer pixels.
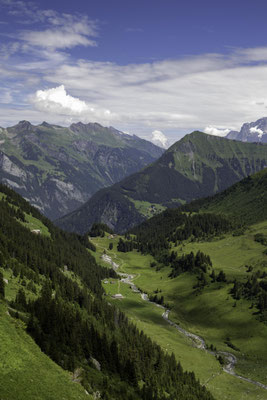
[
  {"x": 57, "y": 101},
  {"x": 257, "y": 130},
  {"x": 159, "y": 139},
  {"x": 212, "y": 130}
]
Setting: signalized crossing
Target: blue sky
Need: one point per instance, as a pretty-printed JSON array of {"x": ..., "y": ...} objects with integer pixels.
[{"x": 153, "y": 68}]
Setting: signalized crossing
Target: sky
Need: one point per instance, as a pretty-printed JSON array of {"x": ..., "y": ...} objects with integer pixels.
[{"x": 157, "y": 69}]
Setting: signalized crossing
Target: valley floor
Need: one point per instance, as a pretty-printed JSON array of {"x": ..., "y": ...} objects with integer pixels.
[{"x": 213, "y": 314}]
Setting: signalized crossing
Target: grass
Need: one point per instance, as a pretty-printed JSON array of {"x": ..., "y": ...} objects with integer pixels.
[
  {"x": 15, "y": 283},
  {"x": 33, "y": 223},
  {"x": 27, "y": 373},
  {"x": 211, "y": 314},
  {"x": 147, "y": 209}
]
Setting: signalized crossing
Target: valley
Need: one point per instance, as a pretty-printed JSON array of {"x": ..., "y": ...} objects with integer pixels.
[
  {"x": 67, "y": 334},
  {"x": 213, "y": 314},
  {"x": 174, "y": 308},
  {"x": 133, "y": 200}
]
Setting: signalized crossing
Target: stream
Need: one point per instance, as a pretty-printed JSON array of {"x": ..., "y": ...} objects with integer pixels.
[{"x": 229, "y": 358}]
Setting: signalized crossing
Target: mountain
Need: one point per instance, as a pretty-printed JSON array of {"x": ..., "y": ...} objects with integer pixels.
[
  {"x": 198, "y": 165},
  {"x": 57, "y": 169},
  {"x": 251, "y": 132},
  {"x": 51, "y": 293}
]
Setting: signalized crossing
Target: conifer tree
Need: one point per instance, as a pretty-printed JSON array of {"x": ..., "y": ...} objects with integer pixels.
[{"x": 2, "y": 286}]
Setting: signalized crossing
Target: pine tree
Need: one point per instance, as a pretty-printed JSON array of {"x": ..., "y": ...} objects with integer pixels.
[{"x": 2, "y": 286}]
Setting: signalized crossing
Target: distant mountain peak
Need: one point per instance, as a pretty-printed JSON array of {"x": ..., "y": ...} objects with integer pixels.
[
  {"x": 24, "y": 125},
  {"x": 251, "y": 132},
  {"x": 46, "y": 124}
]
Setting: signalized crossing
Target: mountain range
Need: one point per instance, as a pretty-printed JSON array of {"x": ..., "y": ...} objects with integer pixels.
[
  {"x": 198, "y": 165},
  {"x": 57, "y": 168}
]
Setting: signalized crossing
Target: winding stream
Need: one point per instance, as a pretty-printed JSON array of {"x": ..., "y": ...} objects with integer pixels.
[
  {"x": 199, "y": 342},
  {"x": 229, "y": 358}
]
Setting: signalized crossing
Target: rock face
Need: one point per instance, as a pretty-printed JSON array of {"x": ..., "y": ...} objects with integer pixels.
[
  {"x": 251, "y": 132},
  {"x": 57, "y": 169},
  {"x": 197, "y": 166}
]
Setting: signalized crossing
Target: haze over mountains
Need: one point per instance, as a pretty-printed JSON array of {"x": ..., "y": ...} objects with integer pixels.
[
  {"x": 57, "y": 168},
  {"x": 198, "y": 165}
]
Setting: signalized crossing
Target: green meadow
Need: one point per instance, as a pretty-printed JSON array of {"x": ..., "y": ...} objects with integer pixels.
[{"x": 212, "y": 314}]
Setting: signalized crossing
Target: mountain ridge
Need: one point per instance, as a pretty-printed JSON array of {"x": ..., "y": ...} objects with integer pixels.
[
  {"x": 199, "y": 165},
  {"x": 57, "y": 168}
]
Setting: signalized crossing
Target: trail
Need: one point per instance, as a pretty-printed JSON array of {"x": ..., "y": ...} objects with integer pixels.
[{"x": 199, "y": 342}]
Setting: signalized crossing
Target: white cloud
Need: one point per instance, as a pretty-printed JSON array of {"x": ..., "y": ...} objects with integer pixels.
[
  {"x": 56, "y": 39},
  {"x": 255, "y": 129},
  {"x": 60, "y": 31},
  {"x": 57, "y": 101},
  {"x": 67, "y": 31},
  {"x": 159, "y": 139},
  {"x": 212, "y": 130}
]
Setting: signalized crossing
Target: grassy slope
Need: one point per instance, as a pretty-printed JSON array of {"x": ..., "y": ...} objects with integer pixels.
[
  {"x": 210, "y": 314},
  {"x": 31, "y": 222},
  {"x": 27, "y": 373}
]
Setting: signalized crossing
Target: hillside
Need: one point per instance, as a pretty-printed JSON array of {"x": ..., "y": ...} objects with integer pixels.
[
  {"x": 197, "y": 166},
  {"x": 57, "y": 169},
  {"x": 35, "y": 375},
  {"x": 242, "y": 204},
  {"x": 246, "y": 201},
  {"x": 51, "y": 292}
]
